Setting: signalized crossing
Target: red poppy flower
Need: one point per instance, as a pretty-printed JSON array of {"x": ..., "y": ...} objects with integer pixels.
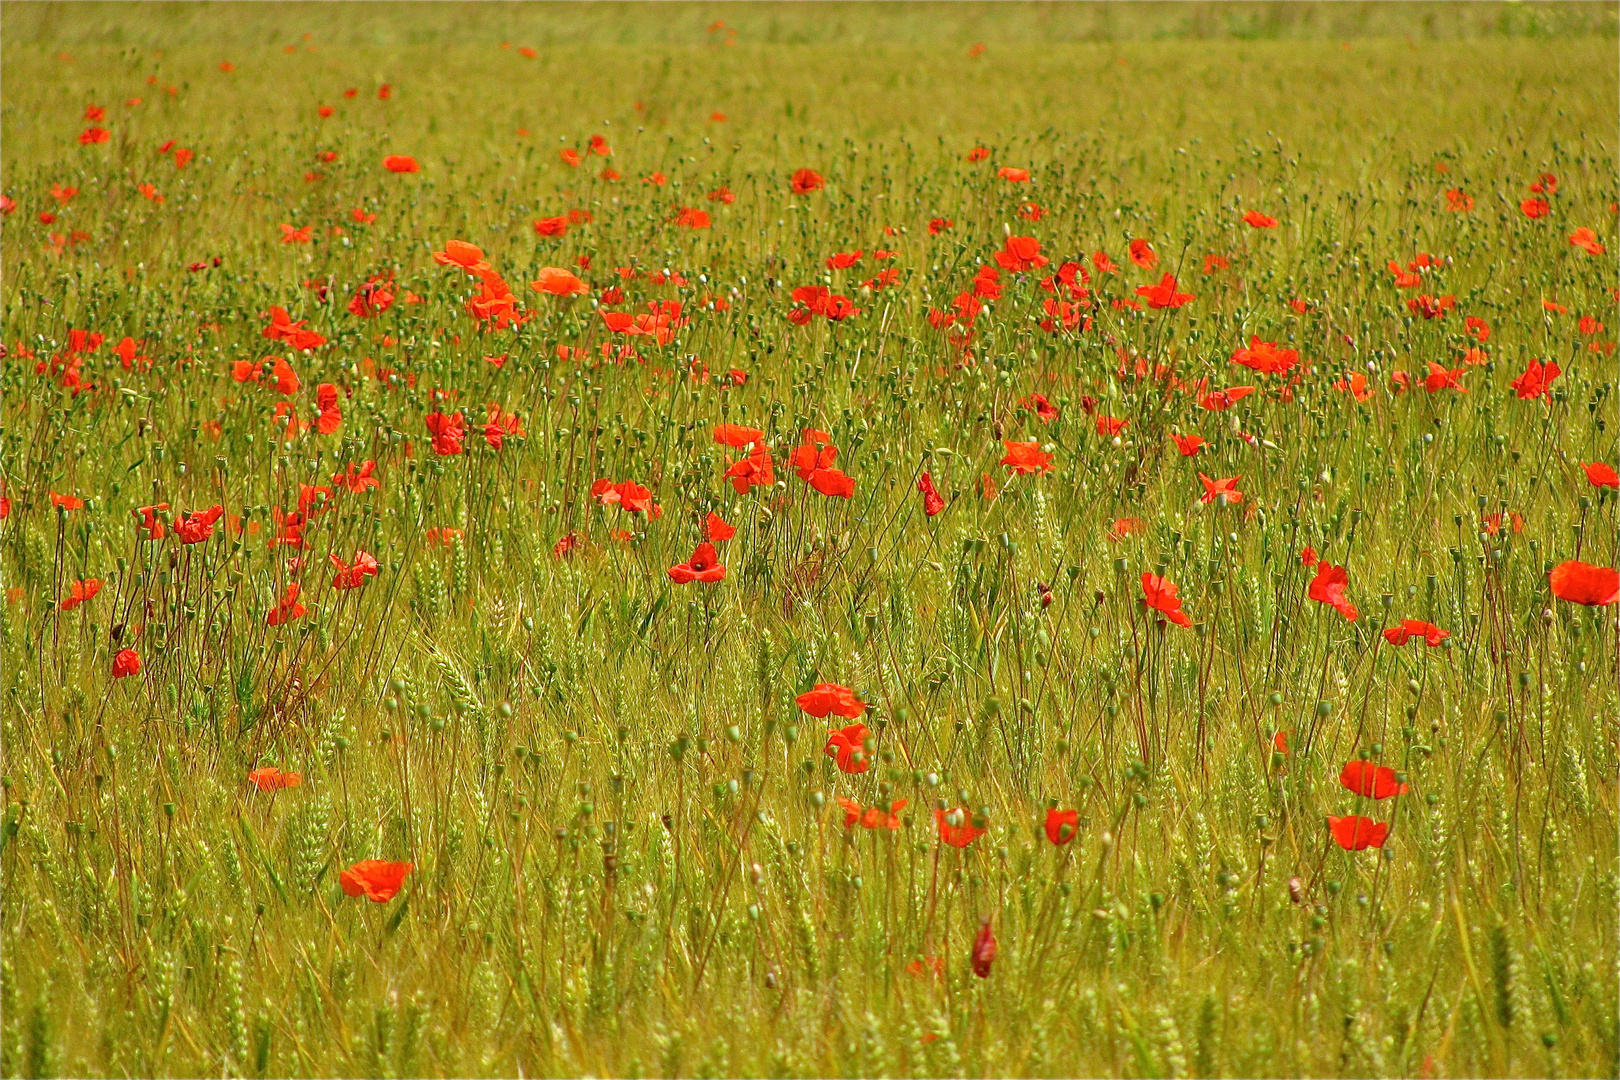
[
  {"x": 755, "y": 470},
  {"x": 956, "y": 827},
  {"x": 1026, "y": 457},
  {"x": 872, "y": 817},
  {"x": 832, "y": 482},
  {"x": 1012, "y": 175},
  {"x": 1431, "y": 308},
  {"x": 551, "y": 226},
  {"x": 1215, "y": 489},
  {"x": 1410, "y": 628},
  {"x": 978, "y": 153},
  {"x": 270, "y": 778},
  {"x": 1260, "y": 221},
  {"x": 1536, "y": 381},
  {"x": 1583, "y": 583},
  {"x": 1587, "y": 241},
  {"x": 375, "y": 879},
  {"x": 843, "y": 260},
  {"x": 984, "y": 950},
  {"x": 283, "y": 328},
  {"x": 93, "y": 135},
  {"x": 1441, "y": 379},
  {"x": 359, "y": 480},
  {"x": 1328, "y": 588},
  {"x": 717, "y": 529},
  {"x": 401, "y": 163},
  {"x": 460, "y": 253},
  {"x": 628, "y": 495},
  {"x": 805, "y": 181},
  {"x": 1221, "y": 400},
  {"x": 1159, "y": 593},
  {"x": 1043, "y": 409},
  {"x": 1601, "y": 474},
  {"x": 1127, "y": 526},
  {"x": 1266, "y": 358},
  {"x": 1164, "y": 294},
  {"x": 1143, "y": 255},
  {"x": 83, "y": 590},
  {"x": 703, "y": 565},
  {"x": 1459, "y": 201},
  {"x": 1061, "y": 825},
  {"x": 737, "y": 435},
  {"x": 67, "y": 502},
  {"x": 938, "y": 225},
  {"x": 832, "y": 698},
  {"x": 197, "y": 526},
  {"x": 1020, "y": 254},
  {"x": 151, "y": 525},
  {"x": 555, "y": 281},
  {"x": 127, "y": 662},
  {"x": 848, "y": 746},
  {"x": 722, "y": 194},
  {"x": 288, "y": 609},
  {"x": 691, "y": 217},
  {"x": 352, "y": 577},
  {"x": 1307, "y": 556},
  {"x": 933, "y": 502},
  {"x": 1364, "y": 778},
  {"x": 448, "y": 432},
  {"x": 1189, "y": 445},
  {"x": 1358, "y": 833},
  {"x": 1535, "y": 208},
  {"x": 1108, "y": 426}
]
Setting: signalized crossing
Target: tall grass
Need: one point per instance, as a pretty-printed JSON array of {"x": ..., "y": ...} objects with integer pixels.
[{"x": 629, "y": 856}]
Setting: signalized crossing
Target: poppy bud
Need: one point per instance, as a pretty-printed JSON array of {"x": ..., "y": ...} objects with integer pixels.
[{"x": 1296, "y": 889}]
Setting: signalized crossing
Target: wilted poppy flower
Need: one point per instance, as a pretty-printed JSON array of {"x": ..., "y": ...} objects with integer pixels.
[
  {"x": 1355, "y": 833},
  {"x": 1587, "y": 241},
  {"x": 1159, "y": 593},
  {"x": 848, "y": 746},
  {"x": 832, "y": 698},
  {"x": 1583, "y": 583},
  {"x": 1410, "y": 628},
  {"x": 401, "y": 163},
  {"x": 83, "y": 590},
  {"x": 375, "y": 879},
  {"x": 448, "y": 432},
  {"x": 956, "y": 827},
  {"x": 805, "y": 181},
  {"x": 1601, "y": 474},
  {"x": 703, "y": 565},
  {"x": 126, "y": 662},
  {"x": 1026, "y": 457},
  {"x": 1536, "y": 381},
  {"x": 556, "y": 281},
  {"x": 1260, "y": 221},
  {"x": 197, "y": 526},
  {"x": 1061, "y": 825},
  {"x": 1216, "y": 489},
  {"x": 1164, "y": 294},
  {"x": 1364, "y": 778},
  {"x": 1189, "y": 445},
  {"x": 933, "y": 502},
  {"x": 270, "y": 778},
  {"x": 352, "y": 577},
  {"x": 1328, "y": 588},
  {"x": 288, "y": 609},
  {"x": 737, "y": 435},
  {"x": 984, "y": 950},
  {"x": 717, "y": 529}
]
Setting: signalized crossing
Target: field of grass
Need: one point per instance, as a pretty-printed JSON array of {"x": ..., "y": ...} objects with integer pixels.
[{"x": 625, "y": 823}]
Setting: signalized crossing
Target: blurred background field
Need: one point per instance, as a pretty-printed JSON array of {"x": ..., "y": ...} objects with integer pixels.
[{"x": 629, "y": 855}]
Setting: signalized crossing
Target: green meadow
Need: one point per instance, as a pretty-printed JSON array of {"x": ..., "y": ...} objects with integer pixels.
[{"x": 1158, "y": 612}]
